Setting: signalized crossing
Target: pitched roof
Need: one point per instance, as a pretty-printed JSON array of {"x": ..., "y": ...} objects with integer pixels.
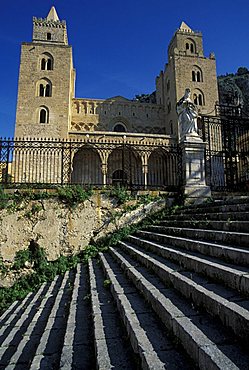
[{"x": 185, "y": 27}]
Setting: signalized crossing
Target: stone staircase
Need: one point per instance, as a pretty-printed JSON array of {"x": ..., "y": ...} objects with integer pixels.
[{"x": 172, "y": 296}]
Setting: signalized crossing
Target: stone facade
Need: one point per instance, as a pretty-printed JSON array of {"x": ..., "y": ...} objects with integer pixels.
[
  {"x": 47, "y": 106},
  {"x": 116, "y": 114}
]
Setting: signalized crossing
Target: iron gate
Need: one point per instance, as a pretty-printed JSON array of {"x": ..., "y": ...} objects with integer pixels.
[{"x": 227, "y": 152}]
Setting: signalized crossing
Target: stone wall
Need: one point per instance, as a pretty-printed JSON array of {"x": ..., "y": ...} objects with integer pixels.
[
  {"x": 61, "y": 230},
  {"x": 103, "y": 115}
]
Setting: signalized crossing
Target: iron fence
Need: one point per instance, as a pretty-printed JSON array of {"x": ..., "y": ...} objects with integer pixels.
[
  {"x": 90, "y": 162},
  {"x": 227, "y": 152}
]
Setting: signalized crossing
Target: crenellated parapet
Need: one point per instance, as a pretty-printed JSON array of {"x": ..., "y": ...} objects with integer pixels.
[{"x": 49, "y": 23}]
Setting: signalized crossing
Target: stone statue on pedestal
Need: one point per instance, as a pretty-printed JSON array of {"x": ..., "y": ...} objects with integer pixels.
[{"x": 187, "y": 115}]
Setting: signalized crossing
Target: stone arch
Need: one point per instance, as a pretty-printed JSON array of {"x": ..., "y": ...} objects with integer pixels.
[
  {"x": 43, "y": 114},
  {"x": 162, "y": 169},
  {"x": 44, "y": 87},
  {"x": 87, "y": 166},
  {"x": 124, "y": 161},
  {"x": 119, "y": 120},
  {"x": 198, "y": 97},
  {"x": 119, "y": 127},
  {"x": 46, "y": 62},
  {"x": 197, "y": 74},
  {"x": 190, "y": 45}
]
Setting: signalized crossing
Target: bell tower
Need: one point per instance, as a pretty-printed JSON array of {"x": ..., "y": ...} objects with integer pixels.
[
  {"x": 187, "y": 67},
  {"x": 50, "y": 29},
  {"x": 46, "y": 81}
]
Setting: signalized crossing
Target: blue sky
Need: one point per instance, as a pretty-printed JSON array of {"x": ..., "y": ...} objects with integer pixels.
[{"x": 120, "y": 46}]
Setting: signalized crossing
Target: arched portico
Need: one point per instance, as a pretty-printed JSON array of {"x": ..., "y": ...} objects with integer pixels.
[
  {"x": 87, "y": 167},
  {"x": 124, "y": 167},
  {"x": 162, "y": 168}
]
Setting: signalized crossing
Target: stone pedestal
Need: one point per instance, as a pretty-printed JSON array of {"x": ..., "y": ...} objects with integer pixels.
[{"x": 193, "y": 168}]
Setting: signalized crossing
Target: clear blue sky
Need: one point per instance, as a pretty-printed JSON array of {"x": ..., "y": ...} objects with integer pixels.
[{"x": 120, "y": 46}]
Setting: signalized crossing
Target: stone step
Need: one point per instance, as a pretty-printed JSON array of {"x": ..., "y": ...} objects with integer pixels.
[
  {"x": 18, "y": 326},
  {"x": 226, "y": 237},
  {"x": 221, "y": 202},
  {"x": 112, "y": 349},
  {"x": 78, "y": 337},
  {"x": 216, "y": 216},
  {"x": 236, "y": 255},
  {"x": 150, "y": 340},
  {"x": 11, "y": 315},
  {"x": 26, "y": 347},
  {"x": 215, "y": 207},
  {"x": 47, "y": 354},
  {"x": 231, "y": 226},
  {"x": 12, "y": 308},
  {"x": 209, "y": 344},
  {"x": 235, "y": 277},
  {"x": 203, "y": 294}
]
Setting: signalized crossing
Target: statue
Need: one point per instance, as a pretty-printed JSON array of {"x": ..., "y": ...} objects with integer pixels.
[{"x": 187, "y": 115}]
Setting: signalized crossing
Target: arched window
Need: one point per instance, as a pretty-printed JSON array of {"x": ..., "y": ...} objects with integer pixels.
[
  {"x": 43, "y": 115},
  {"x": 190, "y": 45},
  {"x": 44, "y": 88},
  {"x": 197, "y": 75},
  {"x": 46, "y": 62},
  {"x": 119, "y": 127},
  {"x": 49, "y": 36},
  {"x": 198, "y": 97}
]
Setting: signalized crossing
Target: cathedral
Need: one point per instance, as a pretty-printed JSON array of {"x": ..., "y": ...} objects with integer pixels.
[{"x": 147, "y": 132}]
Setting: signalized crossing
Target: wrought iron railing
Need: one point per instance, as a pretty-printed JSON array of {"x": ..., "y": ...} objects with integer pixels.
[
  {"x": 227, "y": 153},
  {"x": 95, "y": 162}
]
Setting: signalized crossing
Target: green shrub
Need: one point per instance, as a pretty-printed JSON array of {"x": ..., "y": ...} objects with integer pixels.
[
  {"x": 73, "y": 195},
  {"x": 35, "y": 208},
  {"x": 121, "y": 194},
  {"x": 147, "y": 198},
  {"x": 21, "y": 258},
  {"x": 89, "y": 252}
]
